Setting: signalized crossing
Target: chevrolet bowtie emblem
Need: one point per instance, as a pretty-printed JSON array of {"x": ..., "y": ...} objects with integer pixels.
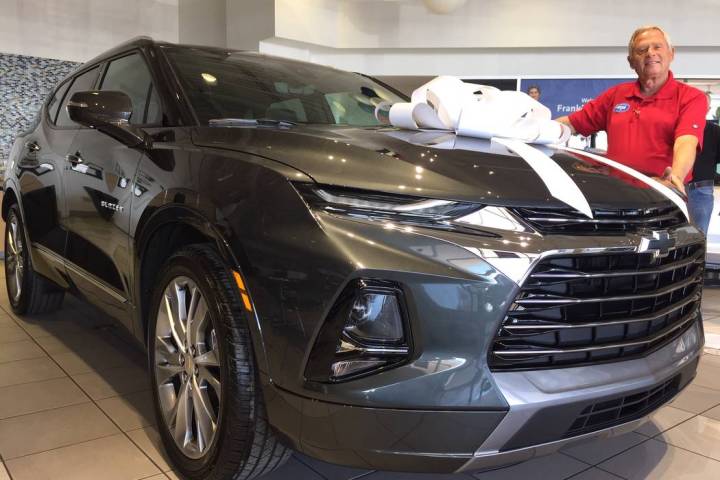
[{"x": 659, "y": 243}]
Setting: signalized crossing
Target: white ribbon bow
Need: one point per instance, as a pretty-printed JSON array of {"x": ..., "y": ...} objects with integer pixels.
[{"x": 478, "y": 111}]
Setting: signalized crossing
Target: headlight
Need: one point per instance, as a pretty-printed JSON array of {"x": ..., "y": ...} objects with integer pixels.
[
  {"x": 428, "y": 212},
  {"x": 386, "y": 207}
]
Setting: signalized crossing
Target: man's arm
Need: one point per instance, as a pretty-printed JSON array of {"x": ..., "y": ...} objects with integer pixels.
[
  {"x": 566, "y": 121},
  {"x": 684, "y": 150}
]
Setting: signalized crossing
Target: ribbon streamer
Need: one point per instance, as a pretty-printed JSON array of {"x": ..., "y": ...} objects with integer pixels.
[
  {"x": 674, "y": 197},
  {"x": 559, "y": 183}
]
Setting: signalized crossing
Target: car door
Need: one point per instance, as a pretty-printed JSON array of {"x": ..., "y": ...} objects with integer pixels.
[
  {"x": 39, "y": 170},
  {"x": 98, "y": 194}
]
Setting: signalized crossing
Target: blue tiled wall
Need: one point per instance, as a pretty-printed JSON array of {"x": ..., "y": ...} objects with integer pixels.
[{"x": 24, "y": 84}]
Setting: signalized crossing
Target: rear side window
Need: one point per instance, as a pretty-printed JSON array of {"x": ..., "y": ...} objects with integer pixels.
[
  {"x": 131, "y": 76},
  {"x": 82, "y": 83},
  {"x": 54, "y": 104}
]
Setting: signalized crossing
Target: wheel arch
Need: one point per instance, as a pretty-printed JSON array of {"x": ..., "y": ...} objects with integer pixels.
[
  {"x": 9, "y": 197},
  {"x": 164, "y": 231}
]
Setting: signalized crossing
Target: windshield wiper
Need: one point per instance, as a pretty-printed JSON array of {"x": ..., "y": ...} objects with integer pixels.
[{"x": 250, "y": 122}]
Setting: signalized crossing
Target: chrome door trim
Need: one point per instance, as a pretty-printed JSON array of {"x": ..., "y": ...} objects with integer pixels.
[{"x": 97, "y": 283}]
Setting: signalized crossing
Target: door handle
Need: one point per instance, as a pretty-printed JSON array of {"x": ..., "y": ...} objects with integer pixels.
[
  {"x": 32, "y": 147},
  {"x": 74, "y": 158}
]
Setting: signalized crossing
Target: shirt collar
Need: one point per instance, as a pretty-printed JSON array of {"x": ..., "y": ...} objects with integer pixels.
[{"x": 666, "y": 91}]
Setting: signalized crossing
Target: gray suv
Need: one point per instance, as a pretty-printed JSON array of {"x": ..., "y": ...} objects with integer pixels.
[{"x": 306, "y": 277}]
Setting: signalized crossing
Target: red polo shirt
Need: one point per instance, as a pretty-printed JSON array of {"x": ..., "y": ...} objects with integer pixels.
[{"x": 642, "y": 131}]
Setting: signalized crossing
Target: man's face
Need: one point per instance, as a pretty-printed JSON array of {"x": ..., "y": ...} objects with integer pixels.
[
  {"x": 651, "y": 55},
  {"x": 534, "y": 93}
]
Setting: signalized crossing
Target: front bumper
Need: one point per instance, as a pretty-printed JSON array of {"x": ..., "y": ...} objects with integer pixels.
[{"x": 447, "y": 441}]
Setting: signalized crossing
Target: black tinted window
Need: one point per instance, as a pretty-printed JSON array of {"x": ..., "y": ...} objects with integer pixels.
[
  {"x": 131, "y": 76},
  {"x": 54, "y": 103},
  {"x": 241, "y": 85},
  {"x": 82, "y": 83}
]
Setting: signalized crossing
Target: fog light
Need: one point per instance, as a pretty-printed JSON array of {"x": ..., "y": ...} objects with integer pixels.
[
  {"x": 375, "y": 318},
  {"x": 365, "y": 332}
]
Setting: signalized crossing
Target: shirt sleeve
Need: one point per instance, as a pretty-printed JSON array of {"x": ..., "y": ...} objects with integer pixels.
[
  {"x": 691, "y": 117},
  {"x": 593, "y": 116}
]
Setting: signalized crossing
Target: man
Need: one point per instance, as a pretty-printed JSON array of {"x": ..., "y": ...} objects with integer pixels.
[
  {"x": 654, "y": 125},
  {"x": 534, "y": 92},
  {"x": 700, "y": 190}
]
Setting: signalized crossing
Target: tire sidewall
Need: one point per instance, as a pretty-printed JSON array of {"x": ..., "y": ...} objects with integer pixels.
[{"x": 199, "y": 269}]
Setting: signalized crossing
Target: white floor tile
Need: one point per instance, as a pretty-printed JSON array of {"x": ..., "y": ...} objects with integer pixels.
[
  {"x": 699, "y": 434},
  {"x": 595, "y": 474},
  {"x": 696, "y": 399},
  {"x": 663, "y": 419},
  {"x": 654, "y": 460},
  {"x": 596, "y": 451},
  {"x": 551, "y": 467}
]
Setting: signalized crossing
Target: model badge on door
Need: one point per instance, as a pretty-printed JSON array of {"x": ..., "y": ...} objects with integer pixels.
[{"x": 111, "y": 206}]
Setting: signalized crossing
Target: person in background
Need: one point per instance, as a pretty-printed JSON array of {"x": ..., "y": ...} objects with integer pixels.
[
  {"x": 655, "y": 124},
  {"x": 534, "y": 92},
  {"x": 700, "y": 190}
]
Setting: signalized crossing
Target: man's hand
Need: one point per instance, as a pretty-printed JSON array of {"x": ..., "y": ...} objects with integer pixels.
[
  {"x": 671, "y": 180},
  {"x": 566, "y": 121}
]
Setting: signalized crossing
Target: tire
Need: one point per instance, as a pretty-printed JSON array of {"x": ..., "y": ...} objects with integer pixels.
[
  {"x": 210, "y": 370},
  {"x": 27, "y": 291}
]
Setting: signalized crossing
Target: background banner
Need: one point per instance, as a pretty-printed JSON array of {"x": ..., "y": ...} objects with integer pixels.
[{"x": 567, "y": 95}]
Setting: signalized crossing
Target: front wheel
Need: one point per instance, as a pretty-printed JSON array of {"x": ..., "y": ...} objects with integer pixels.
[{"x": 205, "y": 386}]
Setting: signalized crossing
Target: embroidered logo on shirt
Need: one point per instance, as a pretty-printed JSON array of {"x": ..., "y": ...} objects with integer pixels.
[{"x": 621, "y": 107}]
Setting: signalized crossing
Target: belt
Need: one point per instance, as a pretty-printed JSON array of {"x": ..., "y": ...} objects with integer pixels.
[{"x": 702, "y": 183}]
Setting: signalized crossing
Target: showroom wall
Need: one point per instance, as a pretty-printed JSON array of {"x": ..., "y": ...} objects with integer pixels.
[
  {"x": 24, "y": 83},
  {"x": 42, "y": 40},
  {"x": 77, "y": 30},
  {"x": 490, "y": 38}
]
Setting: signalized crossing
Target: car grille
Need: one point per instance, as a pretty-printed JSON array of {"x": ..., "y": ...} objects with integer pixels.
[
  {"x": 623, "y": 409},
  {"x": 581, "y": 309},
  {"x": 607, "y": 222}
]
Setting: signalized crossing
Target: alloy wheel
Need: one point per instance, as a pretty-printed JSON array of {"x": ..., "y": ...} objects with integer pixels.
[
  {"x": 14, "y": 258},
  {"x": 187, "y": 367}
]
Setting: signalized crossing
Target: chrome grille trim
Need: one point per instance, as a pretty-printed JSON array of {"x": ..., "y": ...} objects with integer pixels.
[
  {"x": 566, "y": 300},
  {"x": 577, "y": 308},
  {"x": 604, "y": 221},
  {"x": 661, "y": 313},
  {"x": 697, "y": 258},
  {"x": 599, "y": 221},
  {"x": 682, "y": 323}
]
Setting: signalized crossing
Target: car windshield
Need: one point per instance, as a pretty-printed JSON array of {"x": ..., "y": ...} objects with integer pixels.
[{"x": 234, "y": 85}]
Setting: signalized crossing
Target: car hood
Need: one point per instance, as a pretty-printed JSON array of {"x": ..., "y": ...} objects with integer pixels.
[{"x": 428, "y": 164}]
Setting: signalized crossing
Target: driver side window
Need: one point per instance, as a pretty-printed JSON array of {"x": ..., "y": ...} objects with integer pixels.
[{"x": 130, "y": 75}]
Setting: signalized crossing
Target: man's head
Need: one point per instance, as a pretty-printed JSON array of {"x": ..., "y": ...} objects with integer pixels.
[
  {"x": 534, "y": 92},
  {"x": 650, "y": 52}
]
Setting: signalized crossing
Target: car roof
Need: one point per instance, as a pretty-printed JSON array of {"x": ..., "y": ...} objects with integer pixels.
[{"x": 144, "y": 41}]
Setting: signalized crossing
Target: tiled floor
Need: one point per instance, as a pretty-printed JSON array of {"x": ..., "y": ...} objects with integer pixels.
[{"x": 74, "y": 404}]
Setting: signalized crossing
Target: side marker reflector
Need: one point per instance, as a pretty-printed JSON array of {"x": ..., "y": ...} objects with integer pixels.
[
  {"x": 239, "y": 281},
  {"x": 243, "y": 292}
]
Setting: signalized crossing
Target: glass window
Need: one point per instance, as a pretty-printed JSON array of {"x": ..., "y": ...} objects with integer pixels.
[
  {"x": 82, "y": 83},
  {"x": 131, "y": 76},
  {"x": 54, "y": 103},
  {"x": 154, "y": 109},
  {"x": 251, "y": 86}
]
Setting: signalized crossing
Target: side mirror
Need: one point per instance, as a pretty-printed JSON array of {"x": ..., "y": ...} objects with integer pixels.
[{"x": 108, "y": 111}]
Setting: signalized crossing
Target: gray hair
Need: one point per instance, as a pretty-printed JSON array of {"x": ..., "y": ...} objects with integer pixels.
[{"x": 644, "y": 29}]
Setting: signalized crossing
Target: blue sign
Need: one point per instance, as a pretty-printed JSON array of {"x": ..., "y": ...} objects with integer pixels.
[{"x": 564, "y": 96}]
